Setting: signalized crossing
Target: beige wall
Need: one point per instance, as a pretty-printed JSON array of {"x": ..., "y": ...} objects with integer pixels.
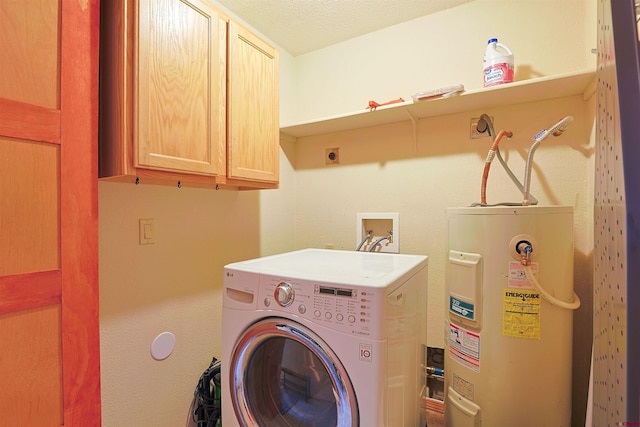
[{"x": 175, "y": 285}]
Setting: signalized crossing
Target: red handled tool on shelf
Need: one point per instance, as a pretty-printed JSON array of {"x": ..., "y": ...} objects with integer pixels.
[{"x": 373, "y": 104}]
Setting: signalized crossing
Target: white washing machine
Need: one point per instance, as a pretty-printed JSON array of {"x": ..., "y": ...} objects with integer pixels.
[{"x": 324, "y": 338}]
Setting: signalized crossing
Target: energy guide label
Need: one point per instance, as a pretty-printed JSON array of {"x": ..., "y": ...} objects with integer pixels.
[
  {"x": 521, "y": 310},
  {"x": 464, "y": 346}
]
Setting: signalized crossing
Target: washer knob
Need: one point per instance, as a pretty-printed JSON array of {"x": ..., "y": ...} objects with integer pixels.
[{"x": 284, "y": 294}]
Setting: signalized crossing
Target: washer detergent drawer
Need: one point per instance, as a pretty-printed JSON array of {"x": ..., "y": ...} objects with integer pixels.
[{"x": 460, "y": 411}]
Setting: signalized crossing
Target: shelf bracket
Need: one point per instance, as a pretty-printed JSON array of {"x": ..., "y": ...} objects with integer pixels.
[
  {"x": 414, "y": 122},
  {"x": 590, "y": 90}
]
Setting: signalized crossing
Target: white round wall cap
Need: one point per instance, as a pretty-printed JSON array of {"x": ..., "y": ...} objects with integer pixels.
[{"x": 163, "y": 345}]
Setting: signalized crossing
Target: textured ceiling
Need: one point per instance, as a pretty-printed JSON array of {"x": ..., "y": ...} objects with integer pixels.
[{"x": 301, "y": 26}]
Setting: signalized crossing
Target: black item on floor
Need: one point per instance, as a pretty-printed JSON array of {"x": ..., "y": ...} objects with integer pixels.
[{"x": 207, "y": 410}]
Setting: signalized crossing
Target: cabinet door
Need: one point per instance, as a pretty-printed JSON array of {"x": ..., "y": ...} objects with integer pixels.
[
  {"x": 180, "y": 87},
  {"x": 254, "y": 147}
]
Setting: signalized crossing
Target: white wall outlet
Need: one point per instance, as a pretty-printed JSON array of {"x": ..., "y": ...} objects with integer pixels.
[{"x": 383, "y": 228}]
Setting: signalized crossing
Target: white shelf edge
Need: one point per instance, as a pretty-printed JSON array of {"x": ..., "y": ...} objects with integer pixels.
[{"x": 538, "y": 89}]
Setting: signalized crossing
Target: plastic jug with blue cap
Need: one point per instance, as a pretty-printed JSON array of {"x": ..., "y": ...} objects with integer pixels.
[{"x": 498, "y": 64}]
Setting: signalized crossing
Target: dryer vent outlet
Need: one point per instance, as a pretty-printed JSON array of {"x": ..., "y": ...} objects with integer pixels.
[{"x": 474, "y": 133}]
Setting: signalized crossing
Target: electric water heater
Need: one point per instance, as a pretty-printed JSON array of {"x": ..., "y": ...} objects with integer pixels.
[{"x": 509, "y": 316}]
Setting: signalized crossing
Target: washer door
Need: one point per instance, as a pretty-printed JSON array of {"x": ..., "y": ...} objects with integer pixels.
[{"x": 282, "y": 374}]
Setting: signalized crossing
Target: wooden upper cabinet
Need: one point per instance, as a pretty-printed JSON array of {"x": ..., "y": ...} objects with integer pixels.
[
  {"x": 166, "y": 116},
  {"x": 253, "y": 148}
]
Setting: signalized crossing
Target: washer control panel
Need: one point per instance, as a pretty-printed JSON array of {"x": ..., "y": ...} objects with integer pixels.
[
  {"x": 348, "y": 309},
  {"x": 339, "y": 303}
]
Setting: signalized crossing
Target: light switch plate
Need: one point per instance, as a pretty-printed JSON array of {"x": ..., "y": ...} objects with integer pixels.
[{"x": 147, "y": 232}]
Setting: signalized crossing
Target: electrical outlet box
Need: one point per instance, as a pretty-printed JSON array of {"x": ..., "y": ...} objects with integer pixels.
[
  {"x": 473, "y": 132},
  {"x": 332, "y": 156},
  {"x": 385, "y": 229}
]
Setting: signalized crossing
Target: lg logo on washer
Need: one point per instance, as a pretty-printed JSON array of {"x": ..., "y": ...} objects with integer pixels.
[{"x": 365, "y": 352}]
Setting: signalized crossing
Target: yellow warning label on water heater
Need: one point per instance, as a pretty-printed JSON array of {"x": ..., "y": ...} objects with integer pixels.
[{"x": 521, "y": 313}]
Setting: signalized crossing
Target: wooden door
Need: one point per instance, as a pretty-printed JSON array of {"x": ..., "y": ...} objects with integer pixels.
[
  {"x": 181, "y": 87},
  {"x": 254, "y": 146},
  {"x": 49, "y": 336}
]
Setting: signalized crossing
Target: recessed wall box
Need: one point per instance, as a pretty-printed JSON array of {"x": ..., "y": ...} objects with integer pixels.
[{"x": 383, "y": 228}]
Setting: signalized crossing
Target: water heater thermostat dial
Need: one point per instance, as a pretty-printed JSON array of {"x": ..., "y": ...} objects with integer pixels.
[{"x": 284, "y": 294}]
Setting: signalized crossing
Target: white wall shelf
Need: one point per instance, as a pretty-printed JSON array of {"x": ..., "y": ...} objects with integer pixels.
[{"x": 538, "y": 89}]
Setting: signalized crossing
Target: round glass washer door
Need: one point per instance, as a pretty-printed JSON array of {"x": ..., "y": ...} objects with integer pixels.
[{"x": 282, "y": 374}]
